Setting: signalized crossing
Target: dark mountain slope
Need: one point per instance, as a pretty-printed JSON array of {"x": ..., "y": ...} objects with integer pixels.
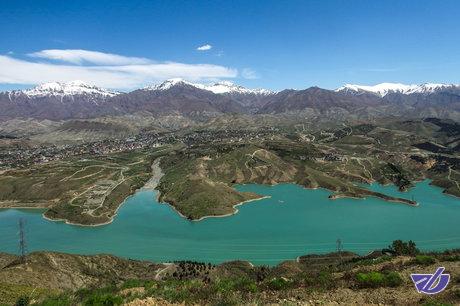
[
  {"x": 321, "y": 101},
  {"x": 182, "y": 99}
]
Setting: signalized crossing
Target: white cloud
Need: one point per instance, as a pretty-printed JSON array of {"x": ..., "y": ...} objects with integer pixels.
[
  {"x": 249, "y": 73},
  {"x": 76, "y": 56},
  {"x": 204, "y": 47},
  {"x": 114, "y": 76}
]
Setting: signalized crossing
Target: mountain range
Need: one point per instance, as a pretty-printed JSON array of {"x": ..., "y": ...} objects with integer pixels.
[
  {"x": 72, "y": 100},
  {"x": 384, "y": 89}
]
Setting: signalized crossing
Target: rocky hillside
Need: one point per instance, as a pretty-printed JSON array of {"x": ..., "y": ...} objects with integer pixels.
[{"x": 343, "y": 278}]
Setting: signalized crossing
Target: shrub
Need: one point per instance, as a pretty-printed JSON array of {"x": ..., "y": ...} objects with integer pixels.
[
  {"x": 23, "y": 301},
  {"x": 325, "y": 279},
  {"x": 103, "y": 300},
  {"x": 135, "y": 283},
  {"x": 400, "y": 247},
  {"x": 175, "y": 295},
  {"x": 227, "y": 285},
  {"x": 279, "y": 283},
  {"x": 370, "y": 280},
  {"x": 393, "y": 279},
  {"x": 371, "y": 261},
  {"x": 224, "y": 286},
  {"x": 378, "y": 279},
  {"x": 246, "y": 285},
  {"x": 84, "y": 293},
  {"x": 452, "y": 258},
  {"x": 61, "y": 300},
  {"x": 175, "y": 291},
  {"x": 436, "y": 303},
  {"x": 228, "y": 300},
  {"x": 424, "y": 260}
]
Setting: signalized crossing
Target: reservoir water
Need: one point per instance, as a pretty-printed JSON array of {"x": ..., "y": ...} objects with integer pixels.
[{"x": 293, "y": 222}]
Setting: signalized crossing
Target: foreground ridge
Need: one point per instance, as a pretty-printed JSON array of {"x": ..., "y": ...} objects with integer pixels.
[{"x": 382, "y": 277}]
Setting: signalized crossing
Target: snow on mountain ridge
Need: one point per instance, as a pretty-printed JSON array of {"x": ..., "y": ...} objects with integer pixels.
[
  {"x": 221, "y": 87},
  {"x": 168, "y": 84},
  {"x": 229, "y": 87},
  {"x": 380, "y": 89},
  {"x": 431, "y": 87},
  {"x": 385, "y": 88},
  {"x": 65, "y": 89}
]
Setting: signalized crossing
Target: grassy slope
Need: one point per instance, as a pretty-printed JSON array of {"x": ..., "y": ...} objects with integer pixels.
[
  {"x": 82, "y": 191},
  {"x": 193, "y": 193},
  {"x": 46, "y": 273},
  {"x": 198, "y": 180},
  {"x": 322, "y": 279}
]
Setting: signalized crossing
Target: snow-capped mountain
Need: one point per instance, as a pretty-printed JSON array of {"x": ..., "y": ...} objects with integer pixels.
[
  {"x": 229, "y": 87},
  {"x": 251, "y": 99},
  {"x": 62, "y": 101},
  {"x": 385, "y": 88},
  {"x": 58, "y": 89},
  {"x": 428, "y": 88},
  {"x": 223, "y": 87},
  {"x": 380, "y": 89},
  {"x": 57, "y": 101},
  {"x": 168, "y": 84}
]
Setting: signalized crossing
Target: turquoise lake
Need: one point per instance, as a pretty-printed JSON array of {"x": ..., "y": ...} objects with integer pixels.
[{"x": 293, "y": 222}]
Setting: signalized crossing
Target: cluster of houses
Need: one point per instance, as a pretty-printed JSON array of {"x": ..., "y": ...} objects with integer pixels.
[{"x": 22, "y": 157}]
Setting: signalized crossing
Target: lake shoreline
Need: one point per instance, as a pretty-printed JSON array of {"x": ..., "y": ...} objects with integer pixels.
[
  {"x": 151, "y": 184},
  {"x": 306, "y": 223}
]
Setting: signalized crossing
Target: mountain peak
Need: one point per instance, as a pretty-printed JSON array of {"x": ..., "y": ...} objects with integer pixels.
[
  {"x": 226, "y": 87},
  {"x": 431, "y": 87},
  {"x": 383, "y": 89},
  {"x": 221, "y": 87},
  {"x": 66, "y": 89},
  {"x": 167, "y": 84}
]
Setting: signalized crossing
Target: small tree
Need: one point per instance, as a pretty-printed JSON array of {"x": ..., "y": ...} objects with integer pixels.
[
  {"x": 397, "y": 246},
  {"x": 411, "y": 248},
  {"x": 23, "y": 301},
  {"x": 404, "y": 248}
]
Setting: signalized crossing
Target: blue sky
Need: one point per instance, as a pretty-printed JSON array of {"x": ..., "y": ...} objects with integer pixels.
[{"x": 270, "y": 44}]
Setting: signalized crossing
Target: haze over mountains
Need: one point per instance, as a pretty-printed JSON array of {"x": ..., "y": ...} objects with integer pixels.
[{"x": 73, "y": 100}]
